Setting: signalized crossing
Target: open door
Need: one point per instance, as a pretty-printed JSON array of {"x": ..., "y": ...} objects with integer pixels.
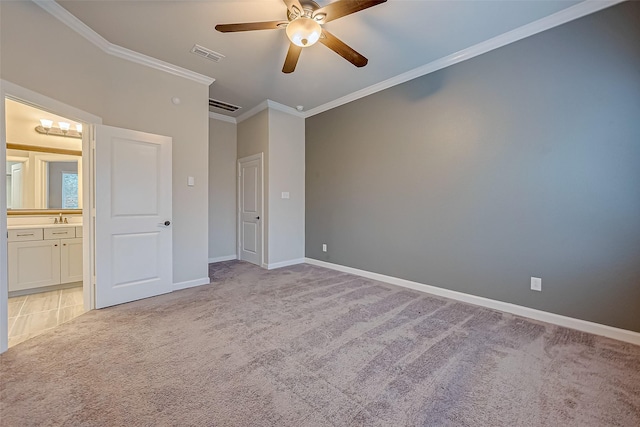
[
  {"x": 133, "y": 221},
  {"x": 17, "y": 185}
]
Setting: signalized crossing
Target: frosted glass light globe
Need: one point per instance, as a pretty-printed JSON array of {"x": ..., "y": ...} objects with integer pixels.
[{"x": 303, "y": 31}]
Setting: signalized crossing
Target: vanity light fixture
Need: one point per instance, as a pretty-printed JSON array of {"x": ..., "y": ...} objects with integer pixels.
[
  {"x": 46, "y": 127},
  {"x": 46, "y": 124},
  {"x": 64, "y": 127}
]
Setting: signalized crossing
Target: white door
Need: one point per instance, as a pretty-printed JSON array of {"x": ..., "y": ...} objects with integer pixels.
[
  {"x": 133, "y": 220},
  {"x": 250, "y": 205},
  {"x": 16, "y": 186}
]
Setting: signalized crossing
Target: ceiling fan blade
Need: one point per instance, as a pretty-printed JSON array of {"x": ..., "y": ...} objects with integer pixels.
[
  {"x": 292, "y": 5},
  {"x": 339, "y": 47},
  {"x": 292, "y": 58},
  {"x": 251, "y": 26},
  {"x": 342, "y": 8}
]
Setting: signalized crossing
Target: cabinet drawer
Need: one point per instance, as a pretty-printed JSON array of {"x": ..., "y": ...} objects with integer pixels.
[
  {"x": 59, "y": 233},
  {"x": 78, "y": 231},
  {"x": 25, "y": 234}
]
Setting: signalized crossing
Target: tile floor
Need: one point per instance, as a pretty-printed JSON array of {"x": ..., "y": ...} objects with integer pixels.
[{"x": 31, "y": 315}]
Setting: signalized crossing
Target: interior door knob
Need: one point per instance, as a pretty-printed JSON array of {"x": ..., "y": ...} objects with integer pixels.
[
  {"x": 257, "y": 217},
  {"x": 167, "y": 223}
]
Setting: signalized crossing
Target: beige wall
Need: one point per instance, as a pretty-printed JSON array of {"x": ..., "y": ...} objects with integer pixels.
[
  {"x": 222, "y": 189},
  {"x": 280, "y": 137},
  {"x": 42, "y": 54},
  {"x": 253, "y": 138},
  {"x": 286, "y": 174},
  {"x": 21, "y": 121}
]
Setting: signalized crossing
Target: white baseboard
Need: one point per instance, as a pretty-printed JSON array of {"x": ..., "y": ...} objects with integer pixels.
[
  {"x": 531, "y": 313},
  {"x": 285, "y": 263},
  {"x": 223, "y": 258},
  {"x": 191, "y": 283}
]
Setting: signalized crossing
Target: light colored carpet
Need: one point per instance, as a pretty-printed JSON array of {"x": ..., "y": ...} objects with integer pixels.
[{"x": 306, "y": 346}]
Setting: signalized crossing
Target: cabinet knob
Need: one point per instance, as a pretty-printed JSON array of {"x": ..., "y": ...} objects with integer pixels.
[{"x": 55, "y": 245}]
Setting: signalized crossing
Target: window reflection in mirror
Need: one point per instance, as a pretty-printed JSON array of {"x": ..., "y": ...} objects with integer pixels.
[
  {"x": 42, "y": 180},
  {"x": 43, "y": 165}
]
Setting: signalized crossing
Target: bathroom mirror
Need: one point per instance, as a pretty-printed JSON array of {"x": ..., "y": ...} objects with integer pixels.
[{"x": 43, "y": 180}]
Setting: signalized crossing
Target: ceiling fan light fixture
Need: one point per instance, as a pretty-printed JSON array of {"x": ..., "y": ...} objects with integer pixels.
[{"x": 303, "y": 31}]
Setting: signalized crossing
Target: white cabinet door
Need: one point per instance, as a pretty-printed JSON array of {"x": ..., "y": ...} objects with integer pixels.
[
  {"x": 134, "y": 257},
  {"x": 71, "y": 260},
  {"x": 33, "y": 264}
]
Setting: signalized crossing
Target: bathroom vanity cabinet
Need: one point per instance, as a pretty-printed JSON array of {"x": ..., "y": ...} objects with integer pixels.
[{"x": 39, "y": 257}]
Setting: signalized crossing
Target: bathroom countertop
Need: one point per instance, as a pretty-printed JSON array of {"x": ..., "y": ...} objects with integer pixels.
[{"x": 25, "y": 226}]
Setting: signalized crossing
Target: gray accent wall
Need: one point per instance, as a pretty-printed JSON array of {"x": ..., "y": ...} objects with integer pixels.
[
  {"x": 222, "y": 189},
  {"x": 521, "y": 162}
]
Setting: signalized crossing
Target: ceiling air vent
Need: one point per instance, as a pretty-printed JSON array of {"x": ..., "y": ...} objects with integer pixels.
[
  {"x": 223, "y": 105},
  {"x": 206, "y": 53}
]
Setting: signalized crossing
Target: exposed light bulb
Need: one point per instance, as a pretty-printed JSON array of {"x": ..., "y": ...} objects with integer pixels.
[
  {"x": 303, "y": 31},
  {"x": 46, "y": 123}
]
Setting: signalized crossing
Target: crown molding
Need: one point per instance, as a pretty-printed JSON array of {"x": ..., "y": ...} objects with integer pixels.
[
  {"x": 571, "y": 13},
  {"x": 285, "y": 109},
  {"x": 64, "y": 16},
  {"x": 253, "y": 111},
  {"x": 267, "y": 103},
  {"x": 222, "y": 118}
]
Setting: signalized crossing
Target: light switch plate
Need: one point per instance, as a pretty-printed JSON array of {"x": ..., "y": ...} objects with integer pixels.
[
  {"x": 191, "y": 181},
  {"x": 285, "y": 194},
  {"x": 536, "y": 284}
]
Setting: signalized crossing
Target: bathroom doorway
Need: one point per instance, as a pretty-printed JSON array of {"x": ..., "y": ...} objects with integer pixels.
[
  {"x": 44, "y": 220},
  {"x": 47, "y": 258}
]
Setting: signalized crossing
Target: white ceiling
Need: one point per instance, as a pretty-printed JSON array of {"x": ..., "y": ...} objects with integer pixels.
[{"x": 396, "y": 37}]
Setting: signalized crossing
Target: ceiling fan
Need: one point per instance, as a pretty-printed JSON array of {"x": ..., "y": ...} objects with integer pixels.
[{"x": 304, "y": 28}]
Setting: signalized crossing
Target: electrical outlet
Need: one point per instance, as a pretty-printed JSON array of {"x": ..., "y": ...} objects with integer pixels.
[
  {"x": 324, "y": 247},
  {"x": 536, "y": 284}
]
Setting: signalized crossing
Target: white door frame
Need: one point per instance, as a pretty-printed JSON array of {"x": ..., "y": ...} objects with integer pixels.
[
  {"x": 260, "y": 157},
  {"x": 29, "y": 97}
]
